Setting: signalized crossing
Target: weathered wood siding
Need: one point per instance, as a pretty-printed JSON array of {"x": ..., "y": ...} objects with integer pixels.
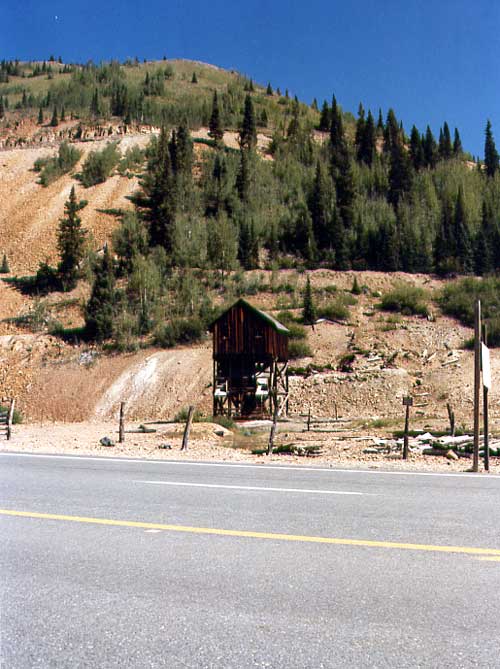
[{"x": 241, "y": 332}]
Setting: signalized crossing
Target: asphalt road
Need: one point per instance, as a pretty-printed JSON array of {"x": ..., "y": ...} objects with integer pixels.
[{"x": 120, "y": 563}]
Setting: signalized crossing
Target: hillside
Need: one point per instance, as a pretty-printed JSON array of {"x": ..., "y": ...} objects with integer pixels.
[{"x": 254, "y": 221}]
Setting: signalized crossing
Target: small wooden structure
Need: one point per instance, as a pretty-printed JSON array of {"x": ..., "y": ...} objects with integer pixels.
[{"x": 250, "y": 353}]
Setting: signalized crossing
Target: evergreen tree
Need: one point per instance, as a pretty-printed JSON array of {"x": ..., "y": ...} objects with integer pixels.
[
  {"x": 445, "y": 147},
  {"x": 2, "y": 108},
  {"x": 416, "y": 149},
  {"x": 157, "y": 199},
  {"x": 324, "y": 119},
  {"x": 269, "y": 90},
  {"x": 243, "y": 176},
  {"x": 400, "y": 176},
  {"x": 445, "y": 244},
  {"x": 248, "y": 131},
  {"x": 70, "y": 242},
  {"x": 215, "y": 126},
  {"x": 391, "y": 131},
  {"x": 309, "y": 308},
  {"x": 101, "y": 307},
  {"x": 314, "y": 105},
  {"x": 321, "y": 208},
  {"x": 367, "y": 146},
  {"x": 40, "y": 116},
  {"x": 485, "y": 243},
  {"x": 457, "y": 144},
  {"x": 360, "y": 130},
  {"x": 63, "y": 114},
  {"x": 194, "y": 78},
  {"x": 430, "y": 149},
  {"x": 380, "y": 123},
  {"x": 54, "y": 122},
  {"x": 462, "y": 234},
  {"x": 491, "y": 160}
]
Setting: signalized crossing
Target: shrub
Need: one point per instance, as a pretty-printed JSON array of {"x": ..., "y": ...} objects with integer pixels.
[
  {"x": 346, "y": 362},
  {"x": 334, "y": 311},
  {"x": 131, "y": 161},
  {"x": 52, "y": 168},
  {"x": 99, "y": 165},
  {"x": 224, "y": 421},
  {"x": 298, "y": 349},
  {"x": 405, "y": 299},
  {"x": 356, "y": 290},
  {"x": 181, "y": 416},
  {"x": 297, "y": 332},
  {"x": 180, "y": 331},
  {"x": 458, "y": 299},
  {"x": 4, "y": 267},
  {"x": 16, "y": 418}
]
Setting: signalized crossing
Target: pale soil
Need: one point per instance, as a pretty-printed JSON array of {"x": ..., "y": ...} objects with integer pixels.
[{"x": 206, "y": 445}]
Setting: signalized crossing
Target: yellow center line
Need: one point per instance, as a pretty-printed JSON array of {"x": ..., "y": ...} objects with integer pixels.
[{"x": 337, "y": 541}]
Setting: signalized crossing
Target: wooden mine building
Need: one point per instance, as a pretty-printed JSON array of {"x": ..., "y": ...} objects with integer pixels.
[{"x": 250, "y": 353}]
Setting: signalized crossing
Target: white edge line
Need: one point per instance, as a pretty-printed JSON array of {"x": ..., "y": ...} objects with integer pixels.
[
  {"x": 296, "y": 468},
  {"x": 254, "y": 488}
]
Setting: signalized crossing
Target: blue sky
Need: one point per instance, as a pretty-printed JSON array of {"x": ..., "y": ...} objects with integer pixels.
[{"x": 430, "y": 61}]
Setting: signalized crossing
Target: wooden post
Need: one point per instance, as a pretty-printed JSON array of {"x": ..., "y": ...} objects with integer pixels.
[
  {"x": 10, "y": 418},
  {"x": 189, "y": 420},
  {"x": 309, "y": 420},
  {"x": 451, "y": 417},
  {"x": 273, "y": 428},
  {"x": 277, "y": 411},
  {"x": 407, "y": 402},
  {"x": 336, "y": 411},
  {"x": 485, "y": 413},
  {"x": 477, "y": 383},
  {"x": 121, "y": 425}
]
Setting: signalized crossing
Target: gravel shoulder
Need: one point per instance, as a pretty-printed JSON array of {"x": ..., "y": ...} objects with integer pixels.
[{"x": 211, "y": 442}]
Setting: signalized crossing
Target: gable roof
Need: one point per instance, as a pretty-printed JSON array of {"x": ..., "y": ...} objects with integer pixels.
[{"x": 270, "y": 320}]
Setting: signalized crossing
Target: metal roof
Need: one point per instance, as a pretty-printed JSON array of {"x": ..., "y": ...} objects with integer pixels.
[{"x": 270, "y": 320}]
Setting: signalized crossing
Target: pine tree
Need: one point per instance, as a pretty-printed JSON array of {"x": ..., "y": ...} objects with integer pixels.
[
  {"x": 416, "y": 149},
  {"x": 243, "y": 176},
  {"x": 341, "y": 167},
  {"x": 380, "y": 123},
  {"x": 445, "y": 247},
  {"x": 400, "y": 176},
  {"x": 2, "y": 108},
  {"x": 324, "y": 119},
  {"x": 248, "y": 246},
  {"x": 248, "y": 131},
  {"x": 40, "y": 116},
  {"x": 309, "y": 308},
  {"x": 445, "y": 147},
  {"x": 157, "y": 199},
  {"x": 430, "y": 149},
  {"x": 215, "y": 126},
  {"x": 491, "y": 160},
  {"x": 63, "y": 114},
  {"x": 4, "y": 267},
  {"x": 485, "y": 243},
  {"x": 462, "y": 234},
  {"x": 194, "y": 78},
  {"x": 457, "y": 145},
  {"x": 320, "y": 207},
  {"x": 70, "y": 242},
  {"x": 367, "y": 147},
  {"x": 360, "y": 129},
  {"x": 100, "y": 309},
  {"x": 54, "y": 122},
  {"x": 269, "y": 90}
]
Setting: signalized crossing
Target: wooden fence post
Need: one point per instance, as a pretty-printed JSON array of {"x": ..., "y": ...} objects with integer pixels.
[
  {"x": 10, "y": 418},
  {"x": 451, "y": 416},
  {"x": 121, "y": 425},
  {"x": 189, "y": 420}
]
